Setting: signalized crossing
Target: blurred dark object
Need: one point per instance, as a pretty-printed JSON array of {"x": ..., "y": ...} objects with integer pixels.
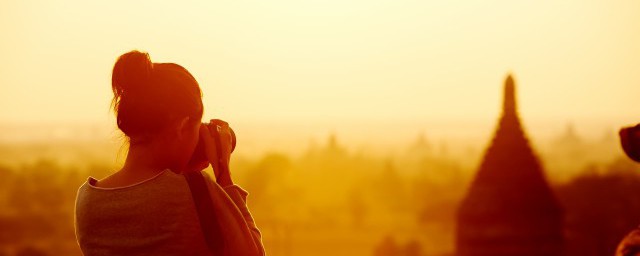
[
  {"x": 630, "y": 140},
  {"x": 630, "y": 245},
  {"x": 601, "y": 206},
  {"x": 198, "y": 153}
]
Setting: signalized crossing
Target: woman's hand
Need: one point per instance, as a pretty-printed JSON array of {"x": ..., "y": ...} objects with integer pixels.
[{"x": 218, "y": 153}]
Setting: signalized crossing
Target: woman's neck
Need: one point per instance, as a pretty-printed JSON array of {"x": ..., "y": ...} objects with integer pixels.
[
  {"x": 143, "y": 162},
  {"x": 146, "y": 158}
]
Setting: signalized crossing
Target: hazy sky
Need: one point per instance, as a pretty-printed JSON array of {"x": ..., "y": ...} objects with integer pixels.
[{"x": 331, "y": 61}]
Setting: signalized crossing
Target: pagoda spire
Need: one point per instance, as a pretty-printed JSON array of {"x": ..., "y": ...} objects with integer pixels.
[
  {"x": 509, "y": 208},
  {"x": 509, "y": 104}
]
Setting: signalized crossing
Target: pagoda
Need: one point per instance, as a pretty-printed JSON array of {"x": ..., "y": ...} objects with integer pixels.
[{"x": 509, "y": 208}]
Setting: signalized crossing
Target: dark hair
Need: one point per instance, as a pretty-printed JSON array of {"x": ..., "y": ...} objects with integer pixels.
[{"x": 149, "y": 96}]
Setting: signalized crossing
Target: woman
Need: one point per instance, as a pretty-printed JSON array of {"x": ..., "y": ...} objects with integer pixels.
[{"x": 147, "y": 207}]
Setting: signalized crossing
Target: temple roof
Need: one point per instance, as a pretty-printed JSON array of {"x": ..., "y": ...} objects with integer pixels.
[
  {"x": 509, "y": 208},
  {"x": 510, "y": 178}
]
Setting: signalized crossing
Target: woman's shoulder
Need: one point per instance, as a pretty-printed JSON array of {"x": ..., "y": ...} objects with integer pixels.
[
  {"x": 156, "y": 215},
  {"x": 166, "y": 193},
  {"x": 165, "y": 186},
  {"x": 163, "y": 177}
]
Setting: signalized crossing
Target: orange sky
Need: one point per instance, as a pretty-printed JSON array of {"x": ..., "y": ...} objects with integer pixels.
[{"x": 332, "y": 62}]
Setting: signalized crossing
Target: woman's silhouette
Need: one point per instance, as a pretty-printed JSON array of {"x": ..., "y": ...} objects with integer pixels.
[{"x": 150, "y": 206}]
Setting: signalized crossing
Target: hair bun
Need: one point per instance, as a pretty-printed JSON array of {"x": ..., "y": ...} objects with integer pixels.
[{"x": 131, "y": 72}]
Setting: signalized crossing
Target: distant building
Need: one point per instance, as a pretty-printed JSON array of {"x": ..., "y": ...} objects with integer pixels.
[
  {"x": 569, "y": 144},
  {"x": 509, "y": 208},
  {"x": 421, "y": 145},
  {"x": 570, "y": 137}
]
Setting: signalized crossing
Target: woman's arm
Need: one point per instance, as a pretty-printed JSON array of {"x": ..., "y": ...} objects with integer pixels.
[
  {"x": 217, "y": 139},
  {"x": 239, "y": 197},
  {"x": 230, "y": 204}
]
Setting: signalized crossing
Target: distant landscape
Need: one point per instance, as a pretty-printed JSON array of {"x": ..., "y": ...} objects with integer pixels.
[{"x": 328, "y": 197}]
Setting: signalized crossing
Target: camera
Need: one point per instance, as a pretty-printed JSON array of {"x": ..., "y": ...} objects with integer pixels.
[
  {"x": 199, "y": 154},
  {"x": 630, "y": 141}
]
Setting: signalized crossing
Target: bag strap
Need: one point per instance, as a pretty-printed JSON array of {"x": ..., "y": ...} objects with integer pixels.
[{"x": 206, "y": 213}]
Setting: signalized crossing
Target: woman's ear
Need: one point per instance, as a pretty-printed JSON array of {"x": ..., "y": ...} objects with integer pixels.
[{"x": 182, "y": 127}]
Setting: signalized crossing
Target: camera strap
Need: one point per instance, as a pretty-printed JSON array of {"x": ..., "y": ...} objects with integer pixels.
[{"x": 206, "y": 213}]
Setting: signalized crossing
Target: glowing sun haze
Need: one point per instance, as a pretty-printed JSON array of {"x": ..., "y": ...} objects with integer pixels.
[{"x": 330, "y": 61}]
